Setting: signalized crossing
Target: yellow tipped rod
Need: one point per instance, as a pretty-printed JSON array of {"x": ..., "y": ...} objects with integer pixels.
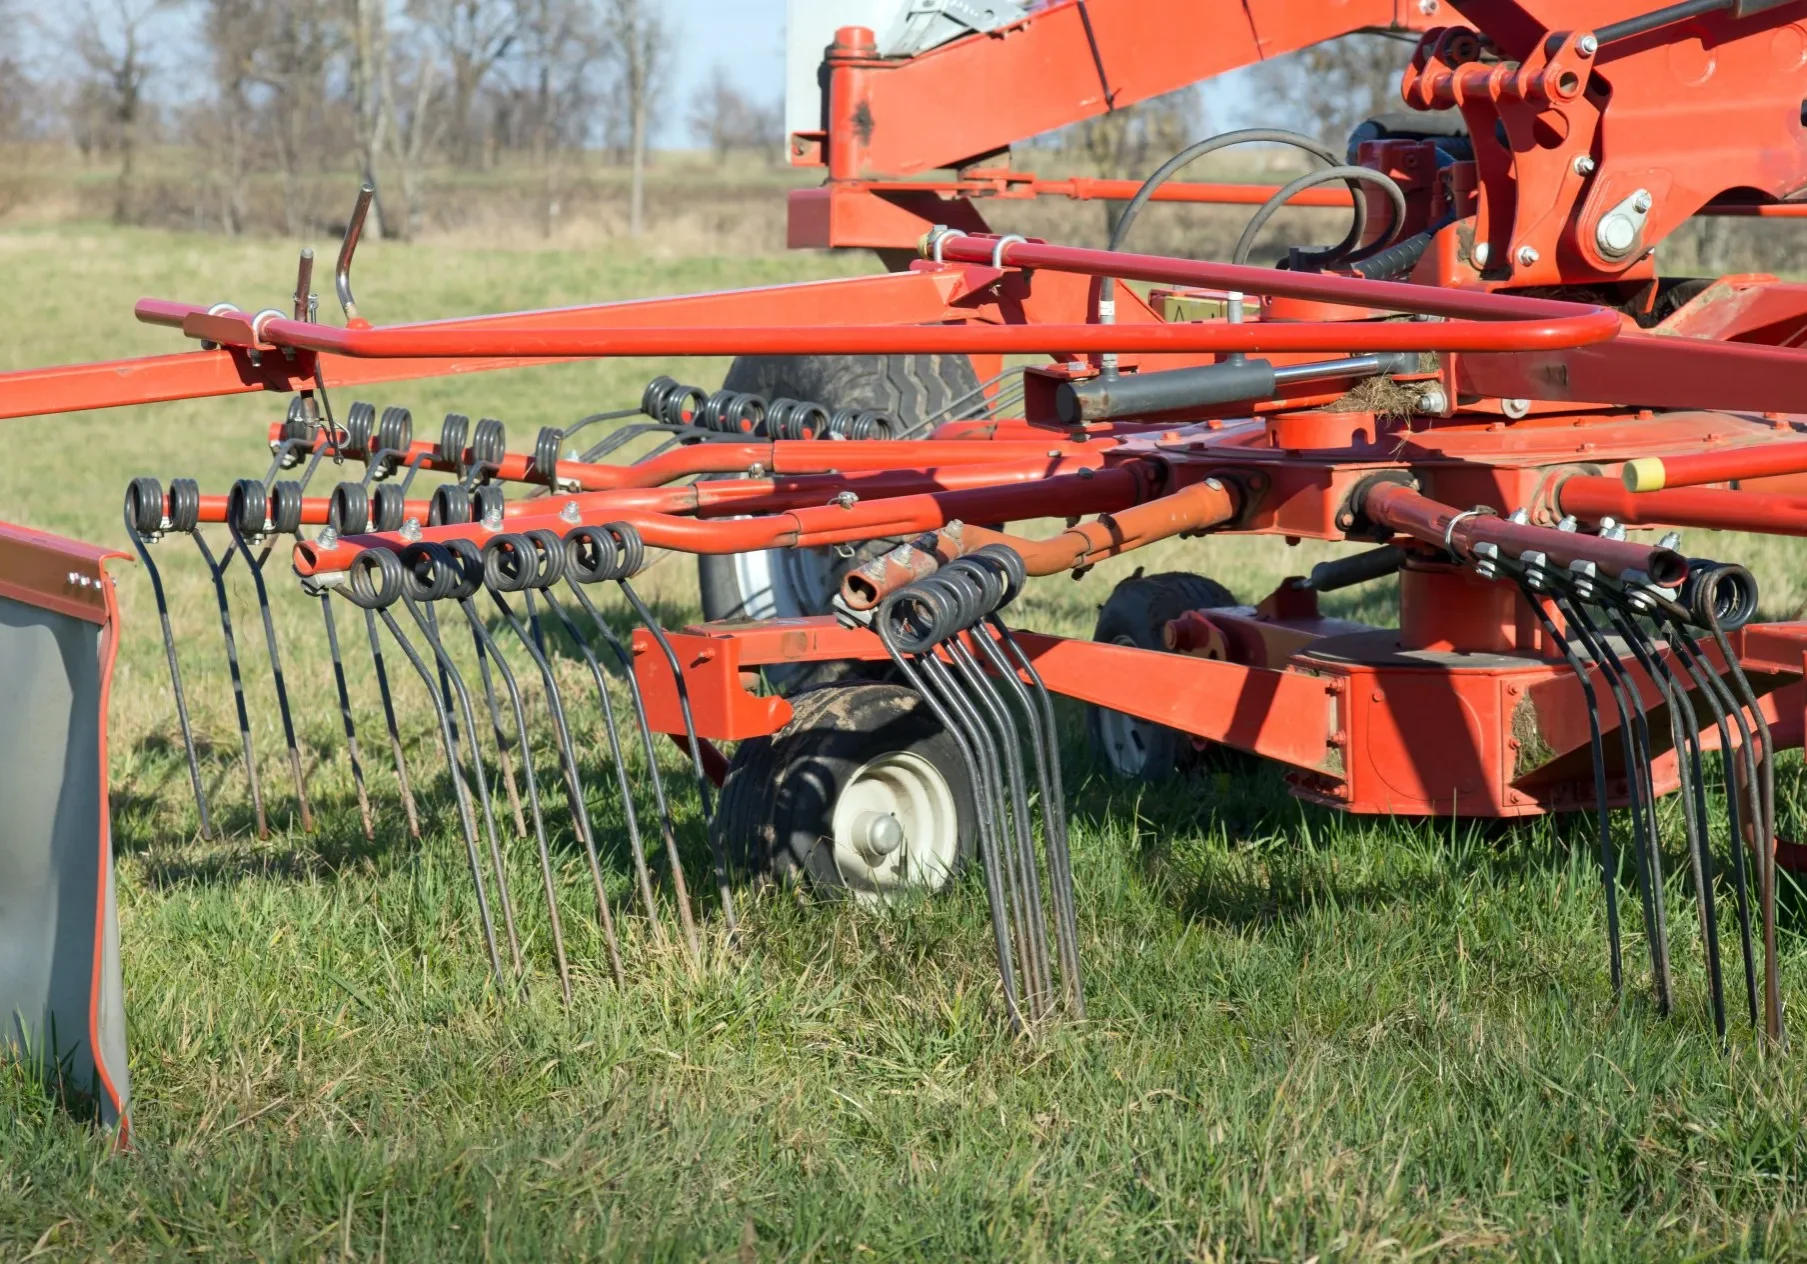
[{"x": 1644, "y": 474}]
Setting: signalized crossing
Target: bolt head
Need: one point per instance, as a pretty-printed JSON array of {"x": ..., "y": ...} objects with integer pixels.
[
  {"x": 1616, "y": 234},
  {"x": 1641, "y": 201},
  {"x": 411, "y": 530},
  {"x": 1480, "y": 255},
  {"x": 1527, "y": 255},
  {"x": 1427, "y": 7},
  {"x": 492, "y": 521},
  {"x": 570, "y": 513},
  {"x": 1587, "y": 45},
  {"x": 1432, "y": 400},
  {"x": 1584, "y": 164}
]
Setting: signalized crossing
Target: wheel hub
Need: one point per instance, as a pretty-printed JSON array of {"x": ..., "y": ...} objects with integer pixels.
[{"x": 895, "y": 826}]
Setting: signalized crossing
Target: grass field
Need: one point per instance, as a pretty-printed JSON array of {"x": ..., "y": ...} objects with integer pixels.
[{"x": 1310, "y": 1036}]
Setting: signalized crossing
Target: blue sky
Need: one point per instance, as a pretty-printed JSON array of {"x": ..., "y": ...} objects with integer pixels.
[{"x": 745, "y": 36}]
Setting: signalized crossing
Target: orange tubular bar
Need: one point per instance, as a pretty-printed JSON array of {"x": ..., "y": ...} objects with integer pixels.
[
  {"x": 1761, "y": 460},
  {"x": 1104, "y": 491},
  {"x": 1591, "y": 499},
  {"x": 1195, "y": 508}
]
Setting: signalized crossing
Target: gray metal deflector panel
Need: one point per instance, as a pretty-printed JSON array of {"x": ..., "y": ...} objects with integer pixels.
[{"x": 56, "y": 876}]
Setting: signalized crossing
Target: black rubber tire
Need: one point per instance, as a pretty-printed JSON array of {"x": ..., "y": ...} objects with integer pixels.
[
  {"x": 1135, "y": 614},
  {"x": 777, "y": 804},
  {"x": 907, "y": 388}
]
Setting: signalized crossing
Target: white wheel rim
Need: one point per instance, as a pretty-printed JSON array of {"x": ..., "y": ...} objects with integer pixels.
[
  {"x": 913, "y": 793},
  {"x": 1128, "y": 741},
  {"x": 784, "y": 583}
]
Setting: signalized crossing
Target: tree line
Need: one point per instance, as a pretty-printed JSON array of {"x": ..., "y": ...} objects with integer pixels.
[{"x": 283, "y": 90}]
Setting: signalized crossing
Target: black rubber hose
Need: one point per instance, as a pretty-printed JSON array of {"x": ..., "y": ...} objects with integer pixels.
[{"x": 1341, "y": 252}]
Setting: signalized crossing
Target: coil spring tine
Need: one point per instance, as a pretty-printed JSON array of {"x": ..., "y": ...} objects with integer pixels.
[
  {"x": 989, "y": 858},
  {"x": 1723, "y": 707},
  {"x": 351, "y": 731},
  {"x": 1609, "y": 860},
  {"x": 255, "y": 565},
  {"x": 175, "y": 673},
  {"x": 217, "y": 569},
  {"x": 668, "y": 831},
  {"x": 465, "y": 820},
  {"x": 1635, "y": 739},
  {"x": 1008, "y": 745},
  {"x": 1766, "y": 833},
  {"x": 696, "y": 750},
  {"x": 504, "y": 765},
  {"x": 449, "y": 674},
  {"x": 580, "y": 813},
  {"x": 1694, "y": 810},
  {"x": 1047, "y": 766},
  {"x": 533, "y": 794},
  {"x": 636, "y": 846},
  {"x": 395, "y": 736}
]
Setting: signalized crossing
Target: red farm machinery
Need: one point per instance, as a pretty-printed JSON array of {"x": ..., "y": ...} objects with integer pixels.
[{"x": 1488, "y": 382}]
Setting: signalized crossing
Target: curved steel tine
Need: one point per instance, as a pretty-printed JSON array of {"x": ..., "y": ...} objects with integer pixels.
[
  {"x": 580, "y": 812},
  {"x": 533, "y": 792},
  {"x": 351, "y": 728},
  {"x": 989, "y": 858},
  {"x": 217, "y": 569},
  {"x": 1609, "y": 859},
  {"x": 504, "y": 764},
  {"x": 1682, "y": 719},
  {"x": 635, "y": 845},
  {"x": 1047, "y": 766},
  {"x": 459, "y": 794},
  {"x": 1009, "y": 744},
  {"x": 719, "y": 851},
  {"x": 445, "y": 681},
  {"x": 1634, "y": 743},
  {"x": 414, "y": 467},
  {"x": 1766, "y": 833},
  {"x": 449, "y": 672},
  {"x": 256, "y": 567},
  {"x": 395, "y": 736},
  {"x": 1724, "y": 707},
  {"x": 1009, "y": 858},
  {"x": 175, "y": 676},
  {"x": 668, "y": 830}
]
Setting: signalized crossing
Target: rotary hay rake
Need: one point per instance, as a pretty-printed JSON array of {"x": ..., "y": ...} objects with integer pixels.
[{"x": 1431, "y": 385}]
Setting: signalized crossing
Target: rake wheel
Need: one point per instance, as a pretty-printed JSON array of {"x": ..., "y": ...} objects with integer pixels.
[
  {"x": 1135, "y": 614},
  {"x": 863, "y": 793}
]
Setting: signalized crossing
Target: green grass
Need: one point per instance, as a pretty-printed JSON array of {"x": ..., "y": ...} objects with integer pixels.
[{"x": 1310, "y": 1035}]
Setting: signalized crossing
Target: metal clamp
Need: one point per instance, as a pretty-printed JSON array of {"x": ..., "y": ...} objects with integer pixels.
[
  {"x": 1449, "y": 532},
  {"x": 997, "y": 250},
  {"x": 939, "y": 234}
]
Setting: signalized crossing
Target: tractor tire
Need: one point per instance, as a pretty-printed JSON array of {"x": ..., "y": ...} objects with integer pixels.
[
  {"x": 863, "y": 794},
  {"x": 1135, "y": 614},
  {"x": 907, "y": 388}
]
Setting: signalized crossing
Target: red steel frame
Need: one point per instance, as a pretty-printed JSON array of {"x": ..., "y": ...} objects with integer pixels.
[{"x": 1464, "y": 708}]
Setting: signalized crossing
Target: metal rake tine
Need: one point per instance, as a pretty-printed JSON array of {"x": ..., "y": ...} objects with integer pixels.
[
  {"x": 986, "y": 764},
  {"x": 668, "y": 830},
  {"x": 1684, "y": 727},
  {"x": 503, "y": 762},
  {"x": 1008, "y": 744},
  {"x": 449, "y": 673},
  {"x": 642, "y": 874},
  {"x": 239, "y": 501},
  {"x": 351, "y": 728},
  {"x": 1038, "y": 713},
  {"x": 395, "y": 736},
  {"x": 718, "y": 849},
  {"x": 465, "y": 819},
  {"x": 1634, "y": 743},
  {"x": 580, "y": 813},
  {"x": 1766, "y": 834},
  {"x": 140, "y": 491},
  {"x": 533, "y": 792},
  {"x": 1724, "y": 707},
  {"x": 989, "y": 860},
  {"x": 217, "y": 569},
  {"x": 1609, "y": 859}
]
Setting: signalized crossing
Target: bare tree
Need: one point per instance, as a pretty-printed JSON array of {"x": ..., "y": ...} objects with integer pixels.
[
  {"x": 417, "y": 123},
  {"x": 369, "y": 23},
  {"x": 726, "y": 119},
  {"x": 560, "y": 45},
  {"x": 111, "y": 37},
  {"x": 233, "y": 31},
  {"x": 1329, "y": 88},
  {"x": 640, "y": 46},
  {"x": 474, "y": 36}
]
